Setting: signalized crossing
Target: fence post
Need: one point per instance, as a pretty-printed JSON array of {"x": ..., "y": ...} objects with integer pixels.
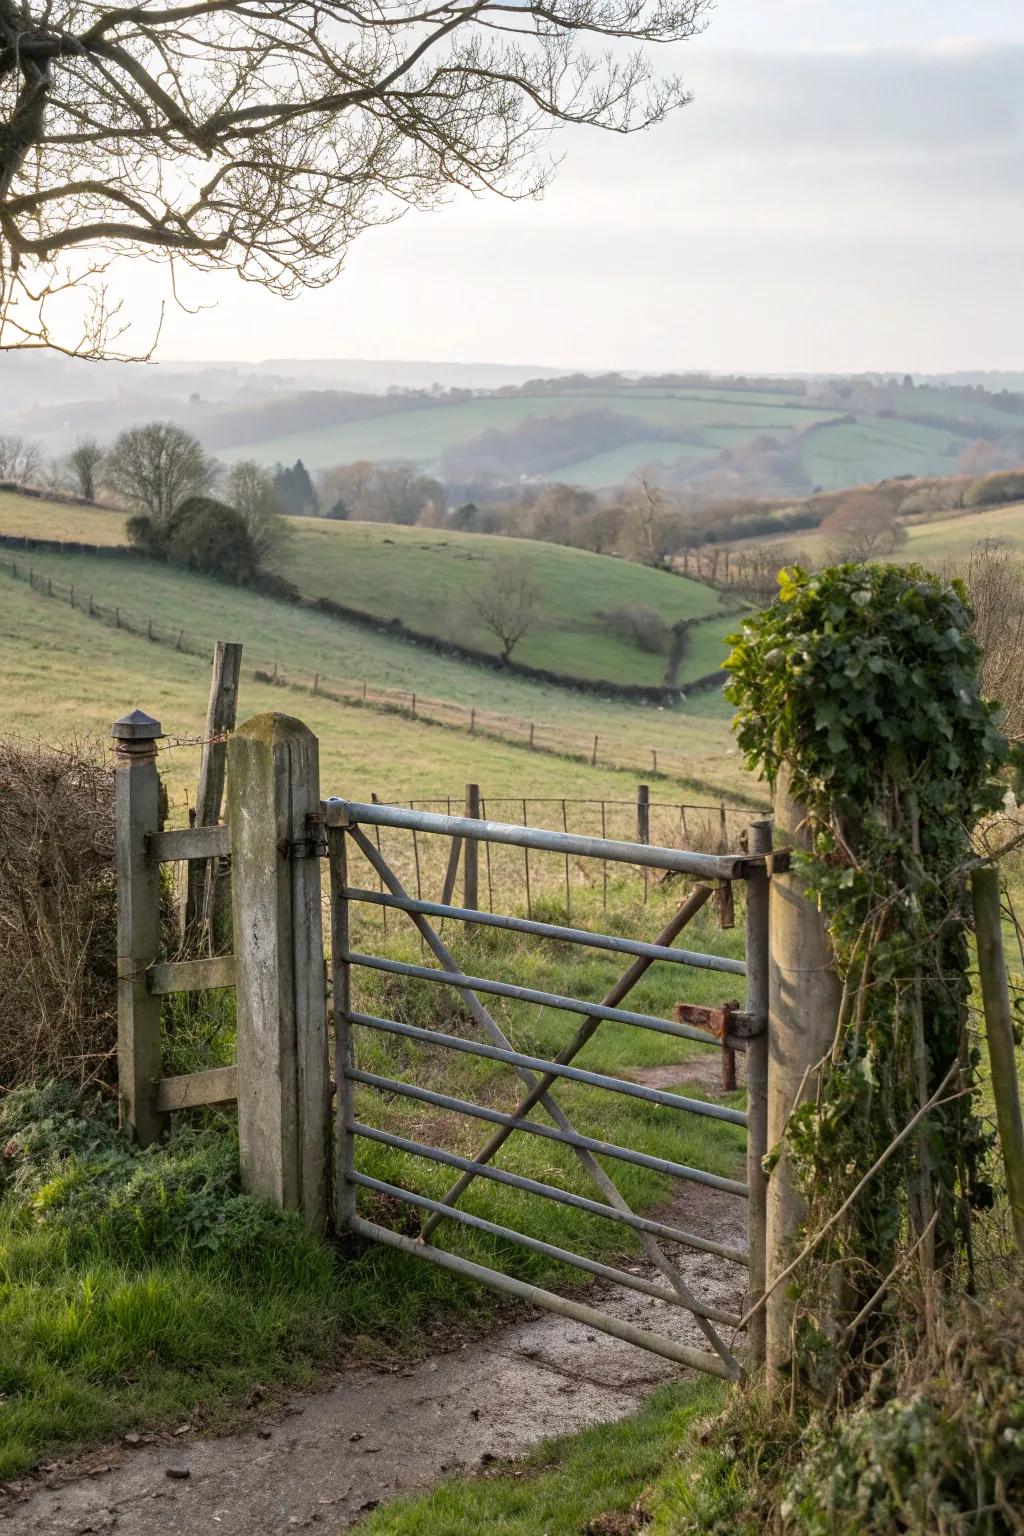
[
  {"x": 137, "y": 818},
  {"x": 643, "y": 813},
  {"x": 999, "y": 1029},
  {"x": 200, "y": 878},
  {"x": 803, "y": 1012},
  {"x": 471, "y": 857},
  {"x": 759, "y": 841},
  {"x": 281, "y": 1005}
]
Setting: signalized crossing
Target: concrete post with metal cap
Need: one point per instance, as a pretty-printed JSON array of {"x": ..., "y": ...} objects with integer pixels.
[{"x": 137, "y": 818}]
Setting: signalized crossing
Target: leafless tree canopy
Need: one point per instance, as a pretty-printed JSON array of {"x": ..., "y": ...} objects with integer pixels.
[
  {"x": 264, "y": 135},
  {"x": 505, "y": 602}
]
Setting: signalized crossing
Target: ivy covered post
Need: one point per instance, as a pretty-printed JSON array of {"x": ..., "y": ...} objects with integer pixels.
[
  {"x": 804, "y": 994},
  {"x": 859, "y": 701}
]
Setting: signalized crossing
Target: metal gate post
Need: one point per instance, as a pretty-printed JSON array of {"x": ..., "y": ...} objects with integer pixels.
[
  {"x": 803, "y": 1012},
  {"x": 274, "y": 813},
  {"x": 759, "y": 841}
]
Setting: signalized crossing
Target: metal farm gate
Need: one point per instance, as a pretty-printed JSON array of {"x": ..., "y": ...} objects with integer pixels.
[{"x": 352, "y": 830}]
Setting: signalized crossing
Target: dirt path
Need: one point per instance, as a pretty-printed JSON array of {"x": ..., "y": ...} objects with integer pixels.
[{"x": 379, "y": 1433}]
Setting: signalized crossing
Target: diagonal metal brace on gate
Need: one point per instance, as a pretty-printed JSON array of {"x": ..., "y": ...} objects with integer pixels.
[{"x": 538, "y": 1088}]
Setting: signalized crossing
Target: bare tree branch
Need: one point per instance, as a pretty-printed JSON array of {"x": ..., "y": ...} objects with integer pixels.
[{"x": 263, "y": 136}]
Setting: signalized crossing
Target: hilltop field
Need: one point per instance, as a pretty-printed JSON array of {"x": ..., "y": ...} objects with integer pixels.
[
  {"x": 422, "y": 578},
  {"x": 933, "y": 542},
  {"x": 832, "y": 444}
]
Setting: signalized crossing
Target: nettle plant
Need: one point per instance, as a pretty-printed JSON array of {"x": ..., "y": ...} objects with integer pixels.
[{"x": 862, "y": 683}]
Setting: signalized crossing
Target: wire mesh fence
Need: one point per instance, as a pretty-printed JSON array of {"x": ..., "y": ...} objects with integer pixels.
[{"x": 443, "y": 869}]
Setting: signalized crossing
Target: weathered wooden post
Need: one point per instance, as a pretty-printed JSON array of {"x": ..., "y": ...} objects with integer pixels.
[
  {"x": 200, "y": 875},
  {"x": 274, "y": 814},
  {"x": 137, "y": 818},
  {"x": 471, "y": 857},
  {"x": 995, "y": 994},
  {"x": 643, "y": 813},
  {"x": 759, "y": 841},
  {"x": 803, "y": 1013}
]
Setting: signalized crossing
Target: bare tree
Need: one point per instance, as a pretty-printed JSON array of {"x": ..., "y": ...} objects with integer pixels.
[
  {"x": 155, "y": 467},
  {"x": 20, "y": 460},
  {"x": 83, "y": 464},
  {"x": 994, "y": 578},
  {"x": 862, "y": 528},
  {"x": 264, "y": 137},
  {"x": 250, "y": 490},
  {"x": 505, "y": 602}
]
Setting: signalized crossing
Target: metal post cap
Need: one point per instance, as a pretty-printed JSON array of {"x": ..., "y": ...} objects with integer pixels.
[{"x": 137, "y": 726}]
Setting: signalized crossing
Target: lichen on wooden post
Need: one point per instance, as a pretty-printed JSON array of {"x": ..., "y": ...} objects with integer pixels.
[
  {"x": 273, "y": 792},
  {"x": 137, "y": 816}
]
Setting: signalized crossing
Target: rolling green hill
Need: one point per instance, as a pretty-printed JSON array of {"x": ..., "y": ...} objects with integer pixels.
[
  {"x": 421, "y": 577},
  {"x": 65, "y": 675},
  {"x": 423, "y": 433},
  {"x": 871, "y": 430}
]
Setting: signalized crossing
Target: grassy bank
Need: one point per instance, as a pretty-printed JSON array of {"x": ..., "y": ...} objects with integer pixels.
[{"x": 144, "y": 1290}]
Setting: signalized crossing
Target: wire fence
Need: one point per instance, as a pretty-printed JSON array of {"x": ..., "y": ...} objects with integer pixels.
[
  {"x": 495, "y": 877},
  {"x": 654, "y": 759}
]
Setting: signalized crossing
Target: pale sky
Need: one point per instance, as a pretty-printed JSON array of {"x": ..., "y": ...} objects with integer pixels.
[{"x": 843, "y": 194}]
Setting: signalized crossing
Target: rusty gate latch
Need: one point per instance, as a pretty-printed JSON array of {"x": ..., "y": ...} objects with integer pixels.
[{"x": 725, "y": 1023}]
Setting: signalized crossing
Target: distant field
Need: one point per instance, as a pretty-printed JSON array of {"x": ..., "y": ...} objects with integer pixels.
[
  {"x": 618, "y": 464},
  {"x": 933, "y": 542},
  {"x": 67, "y": 676},
  {"x": 849, "y": 453},
  {"x": 424, "y": 433},
  {"x": 421, "y": 576}
]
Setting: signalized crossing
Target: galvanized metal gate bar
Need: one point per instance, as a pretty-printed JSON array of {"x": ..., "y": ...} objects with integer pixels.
[
  {"x": 621, "y": 1277},
  {"x": 342, "y": 818},
  {"x": 568, "y": 1138},
  {"x": 461, "y": 981},
  {"x": 607, "y": 941},
  {"x": 705, "y": 866},
  {"x": 531, "y": 1064},
  {"x": 551, "y": 1192},
  {"x": 607, "y": 1186}
]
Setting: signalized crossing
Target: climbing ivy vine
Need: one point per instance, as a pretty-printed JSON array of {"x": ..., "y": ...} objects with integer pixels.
[{"x": 862, "y": 682}]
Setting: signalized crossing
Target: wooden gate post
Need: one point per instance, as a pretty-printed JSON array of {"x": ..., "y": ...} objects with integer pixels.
[
  {"x": 803, "y": 1012},
  {"x": 137, "y": 818},
  {"x": 283, "y": 1111}
]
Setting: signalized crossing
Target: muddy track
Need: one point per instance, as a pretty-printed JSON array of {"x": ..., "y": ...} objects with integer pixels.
[{"x": 327, "y": 1458}]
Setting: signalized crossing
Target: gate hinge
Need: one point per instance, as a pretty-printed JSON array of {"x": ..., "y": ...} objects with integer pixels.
[{"x": 314, "y": 845}]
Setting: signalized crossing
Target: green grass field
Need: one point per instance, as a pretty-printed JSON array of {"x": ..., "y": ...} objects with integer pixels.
[
  {"x": 67, "y": 675},
  {"x": 850, "y": 453},
  {"x": 422, "y": 434},
  {"x": 421, "y": 577},
  {"x": 933, "y": 543}
]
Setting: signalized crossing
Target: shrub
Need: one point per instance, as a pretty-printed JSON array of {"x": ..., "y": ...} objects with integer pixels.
[
  {"x": 991, "y": 490},
  {"x": 936, "y": 1457},
  {"x": 209, "y": 536},
  {"x": 58, "y": 915},
  {"x": 641, "y": 626}
]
